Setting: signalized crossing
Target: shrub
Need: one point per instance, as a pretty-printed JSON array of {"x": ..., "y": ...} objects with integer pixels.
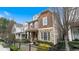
[
  {"x": 43, "y": 47},
  {"x": 74, "y": 44},
  {"x": 60, "y": 46},
  {"x": 76, "y": 40},
  {"x": 13, "y": 48},
  {"x": 45, "y": 42},
  {"x": 1, "y": 40}
]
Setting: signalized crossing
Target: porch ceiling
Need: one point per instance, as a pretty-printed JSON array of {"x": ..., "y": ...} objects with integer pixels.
[
  {"x": 31, "y": 30},
  {"x": 74, "y": 24}
]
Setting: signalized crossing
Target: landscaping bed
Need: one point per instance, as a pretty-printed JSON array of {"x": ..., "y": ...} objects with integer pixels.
[
  {"x": 44, "y": 42},
  {"x": 14, "y": 48},
  {"x": 43, "y": 45}
]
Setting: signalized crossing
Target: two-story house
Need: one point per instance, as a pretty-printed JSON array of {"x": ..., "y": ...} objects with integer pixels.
[
  {"x": 46, "y": 27},
  {"x": 49, "y": 27}
]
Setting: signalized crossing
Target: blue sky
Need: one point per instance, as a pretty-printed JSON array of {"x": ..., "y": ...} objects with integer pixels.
[{"x": 20, "y": 14}]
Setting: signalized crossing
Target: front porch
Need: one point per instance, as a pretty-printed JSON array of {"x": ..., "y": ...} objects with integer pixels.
[
  {"x": 32, "y": 35},
  {"x": 73, "y": 32}
]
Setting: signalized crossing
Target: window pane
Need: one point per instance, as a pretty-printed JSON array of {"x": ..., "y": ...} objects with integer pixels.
[
  {"x": 45, "y": 36},
  {"x": 48, "y": 35},
  {"x": 45, "y": 22},
  {"x": 42, "y": 35}
]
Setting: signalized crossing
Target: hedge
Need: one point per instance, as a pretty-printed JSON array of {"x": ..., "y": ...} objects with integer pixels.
[
  {"x": 43, "y": 47},
  {"x": 74, "y": 44},
  {"x": 1, "y": 40},
  {"x": 45, "y": 42},
  {"x": 14, "y": 48}
]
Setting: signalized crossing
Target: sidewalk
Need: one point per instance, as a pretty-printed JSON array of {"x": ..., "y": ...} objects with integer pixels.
[{"x": 4, "y": 49}]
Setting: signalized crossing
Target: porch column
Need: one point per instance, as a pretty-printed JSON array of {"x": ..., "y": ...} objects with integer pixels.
[
  {"x": 29, "y": 35},
  {"x": 26, "y": 35},
  {"x": 20, "y": 36},
  {"x": 69, "y": 34}
]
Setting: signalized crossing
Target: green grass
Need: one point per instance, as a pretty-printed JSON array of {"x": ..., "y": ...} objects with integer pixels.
[{"x": 74, "y": 44}]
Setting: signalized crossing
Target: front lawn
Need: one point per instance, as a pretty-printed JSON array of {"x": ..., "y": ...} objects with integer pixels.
[{"x": 74, "y": 44}]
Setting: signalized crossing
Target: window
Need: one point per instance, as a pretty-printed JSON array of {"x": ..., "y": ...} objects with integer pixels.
[
  {"x": 45, "y": 35},
  {"x": 45, "y": 21},
  {"x": 31, "y": 25},
  {"x": 36, "y": 24},
  {"x": 48, "y": 35},
  {"x": 42, "y": 35}
]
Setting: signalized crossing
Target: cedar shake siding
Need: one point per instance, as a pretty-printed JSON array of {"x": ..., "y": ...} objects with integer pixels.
[{"x": 49, "y": 19}]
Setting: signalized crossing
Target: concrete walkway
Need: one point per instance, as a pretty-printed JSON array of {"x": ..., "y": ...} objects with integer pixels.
[{"x": 25, "y": 47}]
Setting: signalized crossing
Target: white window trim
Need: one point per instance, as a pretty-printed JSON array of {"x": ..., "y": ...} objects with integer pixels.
[
  {"x": 45, "y": 21},
  {"x": 43, "y": 36}
]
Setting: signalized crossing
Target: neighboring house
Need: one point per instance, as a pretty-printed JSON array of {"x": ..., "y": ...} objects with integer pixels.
[
  {"x": 47, "y": 27},
  {"x": 73, "y": 32},
  {"x": 19, "y": 31}
]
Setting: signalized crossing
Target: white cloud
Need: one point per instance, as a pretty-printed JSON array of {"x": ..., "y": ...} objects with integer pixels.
[{"x": 6, "y": 13}]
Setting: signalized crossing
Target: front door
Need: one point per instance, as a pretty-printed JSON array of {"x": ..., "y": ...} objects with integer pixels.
[{"x": 34, "y": 36}]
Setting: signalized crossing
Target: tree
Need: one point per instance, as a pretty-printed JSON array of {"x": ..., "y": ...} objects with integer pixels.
[
  {"x": 69, "y": 15},
  {"x": 11, "y": 38}
]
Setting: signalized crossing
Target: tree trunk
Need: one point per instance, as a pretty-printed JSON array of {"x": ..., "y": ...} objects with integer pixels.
[
  {"x": 66, "y": 43},
  {"x": 19, "y": 45}
]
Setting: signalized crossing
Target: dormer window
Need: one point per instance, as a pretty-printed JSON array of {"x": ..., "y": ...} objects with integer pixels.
[
  {"x": 36, "y": 24},
  {"x": 31, "y": 25},
  {"x": 45, "y": 21}
]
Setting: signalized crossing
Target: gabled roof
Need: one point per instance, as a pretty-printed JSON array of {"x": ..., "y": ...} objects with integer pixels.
[{"x": 33, "y": 21}]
